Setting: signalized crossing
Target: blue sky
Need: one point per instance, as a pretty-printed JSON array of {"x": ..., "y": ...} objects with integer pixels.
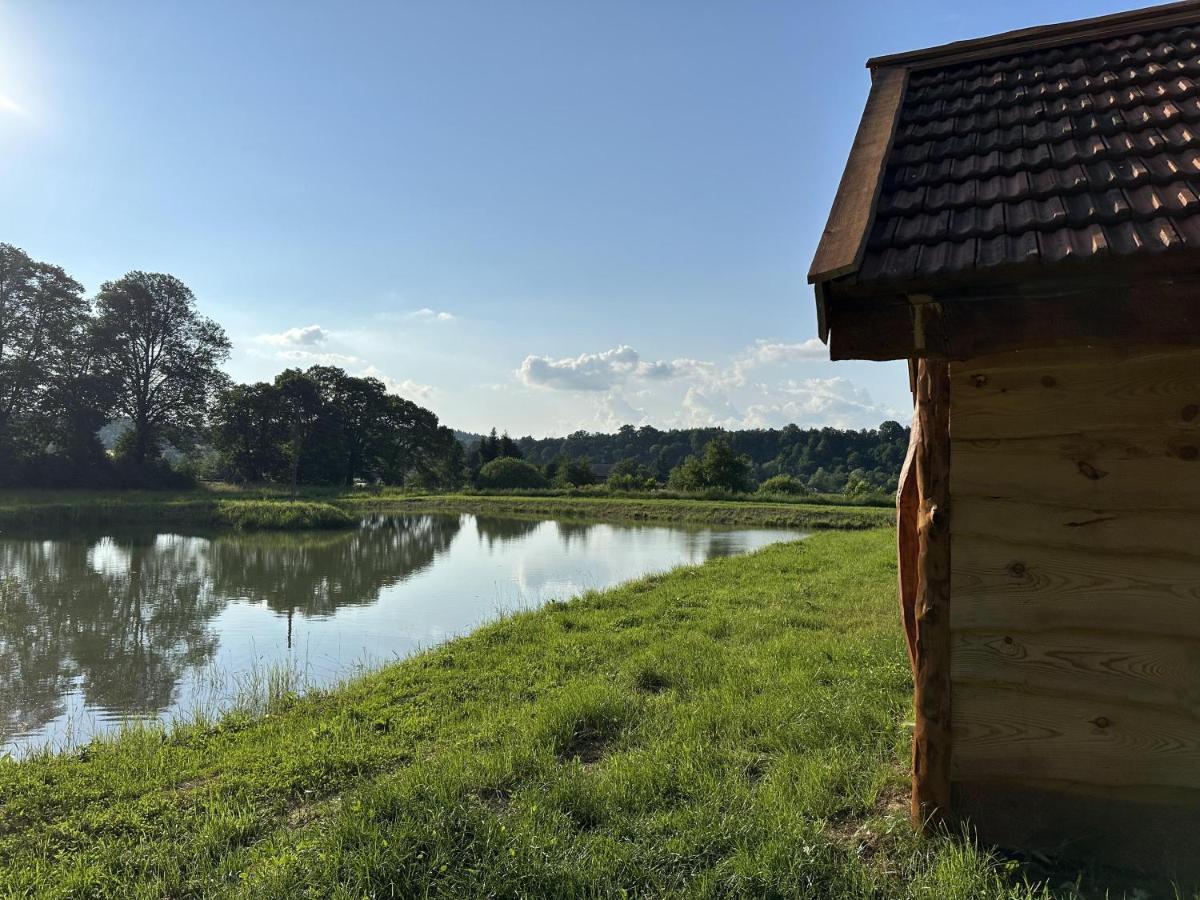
[{"x": 539, "y": 215}]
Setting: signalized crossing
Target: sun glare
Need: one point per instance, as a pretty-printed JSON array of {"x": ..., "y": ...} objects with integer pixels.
[{"x": 9, "y": 105}]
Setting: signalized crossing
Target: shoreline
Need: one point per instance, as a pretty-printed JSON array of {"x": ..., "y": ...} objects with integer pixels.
[{"x": 213, "y": 509}]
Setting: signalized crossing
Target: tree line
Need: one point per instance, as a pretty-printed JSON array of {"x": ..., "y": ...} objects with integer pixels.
[
  {"x": 141, "y": 354},
  {"x": 783, "y": 460}
]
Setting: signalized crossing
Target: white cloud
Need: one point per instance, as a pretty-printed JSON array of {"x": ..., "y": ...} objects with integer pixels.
[
  {"x": 425, "y": 314},
  {"x": 591, "y": 371},
  {"x": 750, "y": 390},
  {"x": 705, "y": 407},
  {"x": 772, "y": 353},
  {"x": 836, "y": 402},
  {"x": 615, "y": 410},
  {"x": 406, "y": 388},
  {"x": 320, "y": 358},
  {"x": 308, "y": 336},
  {"x": 767, "y": 352}
]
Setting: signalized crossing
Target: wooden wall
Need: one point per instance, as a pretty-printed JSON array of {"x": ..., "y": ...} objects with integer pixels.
[{"x": 1075, "y": 613}]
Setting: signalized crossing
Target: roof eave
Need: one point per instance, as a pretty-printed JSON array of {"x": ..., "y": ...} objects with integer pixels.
[
  {"x": 845, "y": 236},
  {"x": 1040, "y": 37}
]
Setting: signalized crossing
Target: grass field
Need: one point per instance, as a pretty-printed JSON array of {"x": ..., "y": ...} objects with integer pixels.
[
  {"x": 55, "y": 509},
  {"x": 699, "y": 512},
  {"x": 323, "y": 508},
  {"x": 732, "y": 730}
]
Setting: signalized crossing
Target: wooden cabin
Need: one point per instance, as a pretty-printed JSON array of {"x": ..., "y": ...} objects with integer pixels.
[{"x": 1019, "y": 218}]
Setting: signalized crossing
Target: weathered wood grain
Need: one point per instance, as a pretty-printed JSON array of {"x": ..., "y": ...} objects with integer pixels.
[
  {"x": 1076, "y": 582},
  {"x": 1008, "y": 732},
  {"x": 1130, "y": 470},
  {"x": 1002, "y": 585},
  {"x": 1161, "y": 671},
  {"x": 1163, "y": 534},
  {"x": 1083, "y": 390},
  {"x": 932, "y": 749}
]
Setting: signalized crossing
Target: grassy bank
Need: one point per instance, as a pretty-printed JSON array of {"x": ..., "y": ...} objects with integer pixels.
[
  {"x": 325, "y": 508},
  {"x": 733, "y": 730},
  {"x": 202, "y": 509},
  {"x": 697, "y": 512}
]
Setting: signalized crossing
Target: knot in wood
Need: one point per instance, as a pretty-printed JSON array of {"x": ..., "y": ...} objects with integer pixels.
[
  {"x": 937, "y": 516},
  {"x": 1017, "y": 569},
  {"x": 1049, "y": 381},
  {"x": 1190, "y": 412},
  {"x": 1188, "y": 453},
  {"x": 1100, "y": 722},
  {"x": 979, "y": 380},
  {"x": 1087, "y": 470}
]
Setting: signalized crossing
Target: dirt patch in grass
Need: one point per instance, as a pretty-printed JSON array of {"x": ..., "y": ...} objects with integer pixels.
[
  {"x": 308, "y": 811},
  {"x": 651, "y": 681},
  {"x": 495, "y": 797},
  {"x": 588, "y": 744},
  {"x": 863, "y": 833}
]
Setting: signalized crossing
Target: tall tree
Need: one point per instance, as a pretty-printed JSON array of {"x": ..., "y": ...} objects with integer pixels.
[
  {"x": 162, "y": 354},
  {"x": 357, "y": 408},
  {"x": 249, "y": 430},
  {"x": 411, "y": 443},
  {"x": 300, "y": 406},
  {"x": 43, "y": 324}
]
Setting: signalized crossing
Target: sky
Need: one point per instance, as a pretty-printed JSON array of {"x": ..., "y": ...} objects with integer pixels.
[{"x": 538, "y": 216}]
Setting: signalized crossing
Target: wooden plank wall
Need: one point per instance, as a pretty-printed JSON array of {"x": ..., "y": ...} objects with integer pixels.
[{"x": 1075, "y": 623}]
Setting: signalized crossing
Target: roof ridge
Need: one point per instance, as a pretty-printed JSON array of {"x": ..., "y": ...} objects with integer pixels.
[{"x": 1044, "y": 36}]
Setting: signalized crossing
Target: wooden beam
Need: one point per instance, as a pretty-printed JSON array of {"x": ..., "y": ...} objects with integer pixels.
[
  {"x": 908, "y": 544},
  {"x": 957, "y": 326},
  {"x": 932, "y": 745},
  {"x": 845, "y": 236}
]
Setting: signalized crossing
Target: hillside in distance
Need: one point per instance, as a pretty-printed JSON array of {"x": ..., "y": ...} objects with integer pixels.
[{"x": 824, "y": 458}]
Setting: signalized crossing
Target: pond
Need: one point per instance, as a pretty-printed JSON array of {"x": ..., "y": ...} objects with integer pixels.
[{"x": 99, "y": 629}]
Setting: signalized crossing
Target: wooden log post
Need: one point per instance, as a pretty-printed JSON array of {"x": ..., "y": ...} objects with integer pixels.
[{"x": 930, "y": 583}]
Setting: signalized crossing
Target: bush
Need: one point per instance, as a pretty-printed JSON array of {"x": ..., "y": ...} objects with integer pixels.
[
  {"x": 507, "y": 472},
  {"x": 630, "y": 475},
  {"x": 720, "y": 469},
  {"x": 783, "y": 484},
  {"x": 289, "y": 515},
  {"x": 574, "y": 473}
]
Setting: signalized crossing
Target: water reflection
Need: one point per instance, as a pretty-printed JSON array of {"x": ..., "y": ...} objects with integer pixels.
[
  {"x": 493, "y": 530},
  {"x": 119, "y": 619},
  {"x": 125, "y": 624},
  {"x": 316, "y": 573}
]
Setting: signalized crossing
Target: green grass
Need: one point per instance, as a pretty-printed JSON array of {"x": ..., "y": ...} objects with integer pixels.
[
  {"x": 699, "y": 512},
  {"x": 282, "y": 515},
  {"x": 56, "y": 509},
  {"x": 318, "y": 508},
  {"x": 731, "y": 730}
]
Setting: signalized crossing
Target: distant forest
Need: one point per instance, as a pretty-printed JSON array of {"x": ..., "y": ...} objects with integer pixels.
[
  {"x": 825, "y": 460},
  {"x": 126, "y": 389}
]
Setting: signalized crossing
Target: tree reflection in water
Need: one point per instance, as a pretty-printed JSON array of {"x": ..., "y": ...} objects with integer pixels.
[
  {"x": 97, "y": 628},
  {"x": 493, "y": 530},
  {"x": 119, "y": 618},
  {"x": 122, "y": 618},
  {"x": 317, "y": 573}
]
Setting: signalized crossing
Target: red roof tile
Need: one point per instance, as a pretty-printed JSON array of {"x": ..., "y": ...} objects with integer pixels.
[{"x": 1046, "y": 156}]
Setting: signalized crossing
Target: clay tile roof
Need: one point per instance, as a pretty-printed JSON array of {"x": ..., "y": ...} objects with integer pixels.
[{"x": 1039, "y": 155}]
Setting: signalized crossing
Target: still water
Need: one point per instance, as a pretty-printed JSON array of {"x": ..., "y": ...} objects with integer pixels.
[{"x": 97, "y": 629}]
